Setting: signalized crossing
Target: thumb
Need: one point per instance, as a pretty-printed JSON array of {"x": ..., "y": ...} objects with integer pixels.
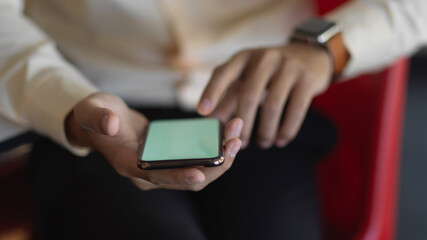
[{"x": 91, "y": 115}]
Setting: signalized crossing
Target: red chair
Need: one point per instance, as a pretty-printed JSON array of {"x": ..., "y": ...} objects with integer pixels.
[{"x": 358, "y": 182}]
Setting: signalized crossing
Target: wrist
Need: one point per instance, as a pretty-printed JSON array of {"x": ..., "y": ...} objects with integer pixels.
[
  {"x": 327, "y": 35},
  {"x": 339, "y": 53}
]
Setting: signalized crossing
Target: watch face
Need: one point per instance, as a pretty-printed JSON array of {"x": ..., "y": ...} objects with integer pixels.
[{"x": 315, "y": 27}]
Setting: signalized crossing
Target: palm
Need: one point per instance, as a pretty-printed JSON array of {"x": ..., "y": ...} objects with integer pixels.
[{"x": 122, "y": 149}]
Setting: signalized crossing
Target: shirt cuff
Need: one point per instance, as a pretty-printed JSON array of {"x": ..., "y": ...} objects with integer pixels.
[
  {"x": 362, "y": 31},
  {"x": 52, "y": 99}
]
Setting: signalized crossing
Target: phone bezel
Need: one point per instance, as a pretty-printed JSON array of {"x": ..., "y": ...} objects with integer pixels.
[{"x": 178, "y": 163}]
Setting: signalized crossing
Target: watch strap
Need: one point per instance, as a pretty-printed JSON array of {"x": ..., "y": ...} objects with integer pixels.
[{"x": 338, "y": 52}]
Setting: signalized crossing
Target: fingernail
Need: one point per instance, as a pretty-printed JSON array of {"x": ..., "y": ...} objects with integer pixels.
[
  {"x": 281, "y": 143},
  {"x": 265, "y": 144},
  {"x": 205, "y": 105},
  {"x": 234, "y": 149},
  {"x": 193, "y": 180},
  {"x": 104, "y": 124}
]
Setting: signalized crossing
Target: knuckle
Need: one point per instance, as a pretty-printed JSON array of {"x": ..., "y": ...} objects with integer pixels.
[
  {"x": 270, "y": 57},
  {"x": 249, "y": 98},
  {"x": 293, "y": 64},
  {"x": 272, "y": 106}
]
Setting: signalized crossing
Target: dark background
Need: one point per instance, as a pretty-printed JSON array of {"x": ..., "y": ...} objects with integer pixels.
[{"x": 413, "y": 183}]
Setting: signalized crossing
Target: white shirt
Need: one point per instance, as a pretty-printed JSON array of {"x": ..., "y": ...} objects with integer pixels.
[{"x": 160, "y": 53}]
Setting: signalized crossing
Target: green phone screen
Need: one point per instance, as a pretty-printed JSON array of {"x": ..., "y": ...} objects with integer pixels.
[{"x": 182, "y": 139}]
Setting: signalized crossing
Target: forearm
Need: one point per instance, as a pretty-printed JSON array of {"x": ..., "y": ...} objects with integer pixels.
[
  {"x": 376, "y": 33},
  {"x": 38, "y": 87}
]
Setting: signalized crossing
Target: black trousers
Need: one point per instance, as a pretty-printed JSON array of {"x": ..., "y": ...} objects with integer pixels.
[{"x": 267, "y": 194}]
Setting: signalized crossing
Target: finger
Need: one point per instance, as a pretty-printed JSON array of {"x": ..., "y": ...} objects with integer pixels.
[
  {"x": 180, "y": 176},
  {"x": 92, "y": 115},
  {"x": 232, "y": 147},
  {"x": 222, "y": 77},
  {"x": 274, "y": 103},
  {"x": 227, "y": 106},
  {"x": 233, "y": 129},
  {"x": 146, "y": 185},
  {"x": 299, "y": 103},
  {"x": 254, "y": 85},
  {"x": 191, "y": 176}
]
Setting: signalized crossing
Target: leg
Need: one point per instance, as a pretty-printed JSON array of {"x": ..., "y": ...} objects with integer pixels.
[
  {"x": 83, "y": 198},
  {"x": 266, "y": 195},
  {"x": 269, "y": 194}
]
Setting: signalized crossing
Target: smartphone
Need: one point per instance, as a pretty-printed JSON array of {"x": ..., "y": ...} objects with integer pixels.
[{"x": 182, "y": 142}]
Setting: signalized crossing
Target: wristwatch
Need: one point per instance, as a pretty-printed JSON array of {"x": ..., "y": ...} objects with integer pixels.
[{"x": 327, "y": 35}]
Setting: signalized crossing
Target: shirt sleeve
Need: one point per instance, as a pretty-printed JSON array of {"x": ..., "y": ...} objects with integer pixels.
[
  {"x": 38, "y": 88},
  {"x": 377, "y": 32}
]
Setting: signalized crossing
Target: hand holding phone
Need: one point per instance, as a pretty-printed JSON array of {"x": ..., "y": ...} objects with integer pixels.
[
  {"x": 118, "y": 138},
  {"x": 194, "y": 178},
  {"x": 182, "y": 142}
]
